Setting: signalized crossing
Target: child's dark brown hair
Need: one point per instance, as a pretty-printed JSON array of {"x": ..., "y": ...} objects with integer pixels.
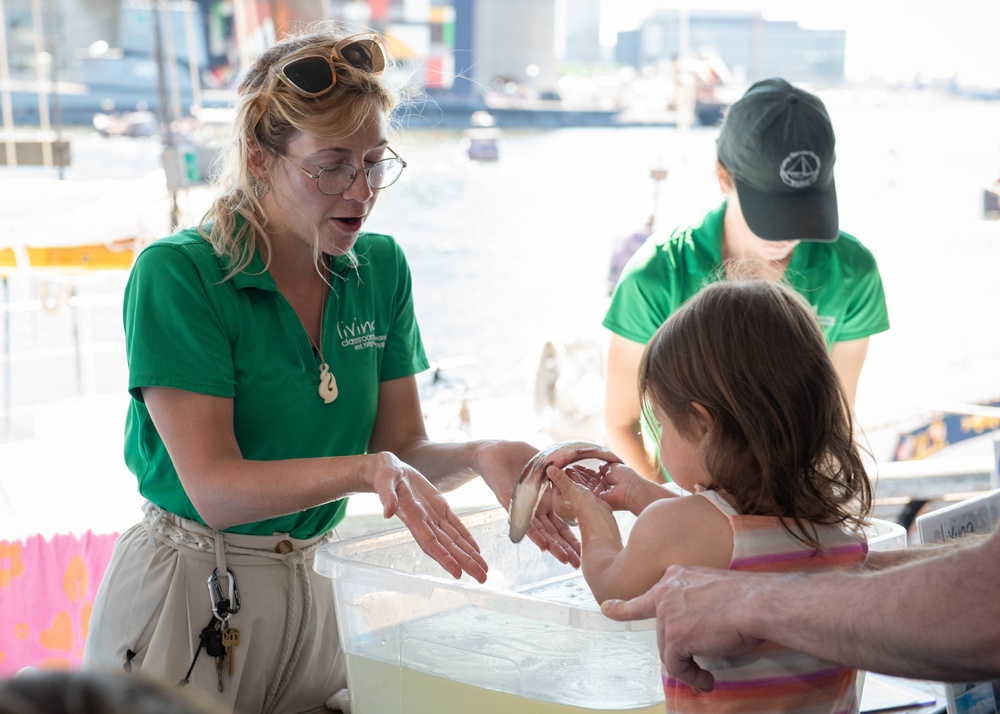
[{"x": 782, "y": 443}]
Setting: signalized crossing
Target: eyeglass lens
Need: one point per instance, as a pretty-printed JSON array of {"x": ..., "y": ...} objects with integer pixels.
[{"x": 338, "y": 179}]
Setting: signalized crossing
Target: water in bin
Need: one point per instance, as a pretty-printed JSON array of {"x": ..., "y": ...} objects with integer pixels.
[{"x": 531, "y": 640}]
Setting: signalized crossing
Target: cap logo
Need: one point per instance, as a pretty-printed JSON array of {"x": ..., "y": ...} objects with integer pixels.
[{"x": 800, "y": 169}]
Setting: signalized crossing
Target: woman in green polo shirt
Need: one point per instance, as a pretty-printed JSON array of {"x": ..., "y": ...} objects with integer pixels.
[
  {"x": 272, "y": 353},
  {"x": 775, "y": 171}
]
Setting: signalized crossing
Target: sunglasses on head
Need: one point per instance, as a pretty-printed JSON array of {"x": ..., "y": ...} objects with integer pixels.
[{"x": 314, "y": 75}]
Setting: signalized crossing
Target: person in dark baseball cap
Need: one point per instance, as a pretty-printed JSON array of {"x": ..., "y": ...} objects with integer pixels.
[
  {"x": 779, "y": 213},
  {"x": 777, "y": 141}
]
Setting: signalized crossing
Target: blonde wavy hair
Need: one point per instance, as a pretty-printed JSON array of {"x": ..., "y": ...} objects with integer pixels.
[{"x": 268, "y": 115}]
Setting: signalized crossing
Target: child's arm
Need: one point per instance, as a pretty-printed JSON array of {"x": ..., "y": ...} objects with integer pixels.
[
  {"x": 688, "y": 531},
  {"x": 600, "y": 538},
  {"x": 626, "y": 490}
]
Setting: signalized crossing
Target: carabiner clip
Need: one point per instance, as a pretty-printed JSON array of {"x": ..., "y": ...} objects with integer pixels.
[{"x": 223, "y": 607}]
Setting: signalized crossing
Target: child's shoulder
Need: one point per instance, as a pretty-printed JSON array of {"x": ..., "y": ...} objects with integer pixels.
[{"x": 688, "y": 530}]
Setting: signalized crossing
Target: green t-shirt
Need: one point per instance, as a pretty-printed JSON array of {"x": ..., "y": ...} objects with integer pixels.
[
  {"x": 188, "y": 328},
  {"x": 839, "y": 279}
]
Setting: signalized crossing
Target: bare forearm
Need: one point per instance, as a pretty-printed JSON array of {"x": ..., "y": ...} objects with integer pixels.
[
  {"x": 602, "y": 543},
  {"x": 936, "y": 619},
  {"x": 230, "y": 492},
  {"x": 647, "y": 492},
  {"x": 848, "y": 359},
  {"x": 446, "y": 465},
  {"x": 450, "y": 465},
  {"x": 881, "y": 560}
]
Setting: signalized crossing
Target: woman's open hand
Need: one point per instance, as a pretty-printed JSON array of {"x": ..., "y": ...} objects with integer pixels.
[
  {"x": 500, "y": 464},
  {"x": 404, "y": 492}
]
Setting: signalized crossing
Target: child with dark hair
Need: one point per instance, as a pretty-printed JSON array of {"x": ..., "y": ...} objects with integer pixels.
[{"x": 755, "y": 424}]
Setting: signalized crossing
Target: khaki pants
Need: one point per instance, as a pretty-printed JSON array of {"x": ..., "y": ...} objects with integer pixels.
[{"x": 154, "y": 600}]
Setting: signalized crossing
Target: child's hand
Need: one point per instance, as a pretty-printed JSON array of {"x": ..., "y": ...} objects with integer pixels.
[
  {"x": 617, "y": 485},
  {"x": 573, "y": 494},
  {"x": 585, "y": 476},
  {"x": 625, "y": 490}
]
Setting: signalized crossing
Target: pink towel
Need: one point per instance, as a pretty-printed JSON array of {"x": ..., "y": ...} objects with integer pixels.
[{"x": 47, "y": 590}]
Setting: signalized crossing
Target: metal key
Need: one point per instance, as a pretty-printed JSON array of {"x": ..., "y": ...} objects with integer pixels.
[
  {"x": 215, "y": 648},
  {"x": 219, "y": 664},
  {"x": 230, "y": 638}
]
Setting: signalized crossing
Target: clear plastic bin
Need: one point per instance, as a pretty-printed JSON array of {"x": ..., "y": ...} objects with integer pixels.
[
  {"x": 885, "y": 535},
  {"x": 531, "y": 639}
]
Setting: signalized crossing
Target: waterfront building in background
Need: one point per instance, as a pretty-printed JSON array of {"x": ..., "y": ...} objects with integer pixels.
[
  {"x": 514, "y": 42},
  {"x": 580, "y": 24},
  {"x": 750, "y": 46},
  {"x": 175, "y": 57}
]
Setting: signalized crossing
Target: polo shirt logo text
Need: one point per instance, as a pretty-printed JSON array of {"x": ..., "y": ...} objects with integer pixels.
[{"x": 359, "y": 335}]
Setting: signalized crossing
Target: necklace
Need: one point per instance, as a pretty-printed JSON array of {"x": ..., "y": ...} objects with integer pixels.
[{"x": 327, "y": 383}]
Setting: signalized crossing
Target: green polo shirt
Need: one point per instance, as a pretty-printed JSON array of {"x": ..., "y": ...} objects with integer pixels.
[
  {"x": 188, "y": 328},
  {"x": 839, "y": 279}
]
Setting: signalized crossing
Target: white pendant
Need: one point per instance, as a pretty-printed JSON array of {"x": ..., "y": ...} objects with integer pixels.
[{"x": 327, "y": 384}]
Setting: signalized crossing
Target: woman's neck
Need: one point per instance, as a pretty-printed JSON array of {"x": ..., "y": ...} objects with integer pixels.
[
  {"x": 303, "y": 283},
  {"x": 293, "y": 267},
  {"x": 308, "y": 296},
  {"x": 739, "y": 242}
]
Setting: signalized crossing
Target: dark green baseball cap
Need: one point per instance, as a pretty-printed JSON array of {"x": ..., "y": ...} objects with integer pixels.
[{"x": 777, "y": 141}]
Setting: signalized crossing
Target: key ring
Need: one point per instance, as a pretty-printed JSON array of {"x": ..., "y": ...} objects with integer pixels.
[{"x": 223, "y": 607}]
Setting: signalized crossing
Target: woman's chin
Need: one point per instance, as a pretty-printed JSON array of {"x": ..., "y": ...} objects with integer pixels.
[{"x": 340, "y": 244}]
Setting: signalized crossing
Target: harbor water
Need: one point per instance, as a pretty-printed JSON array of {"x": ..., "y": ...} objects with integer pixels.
[{"x": 512, "y": 254}]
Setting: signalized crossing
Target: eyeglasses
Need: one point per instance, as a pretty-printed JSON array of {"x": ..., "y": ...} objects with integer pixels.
[
  {"x": 335, "y": 180},
  {"x": 315, "y": 75}
]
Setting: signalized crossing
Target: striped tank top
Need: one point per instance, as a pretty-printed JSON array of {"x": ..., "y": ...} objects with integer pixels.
[{"x": 773, "y": 678}]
